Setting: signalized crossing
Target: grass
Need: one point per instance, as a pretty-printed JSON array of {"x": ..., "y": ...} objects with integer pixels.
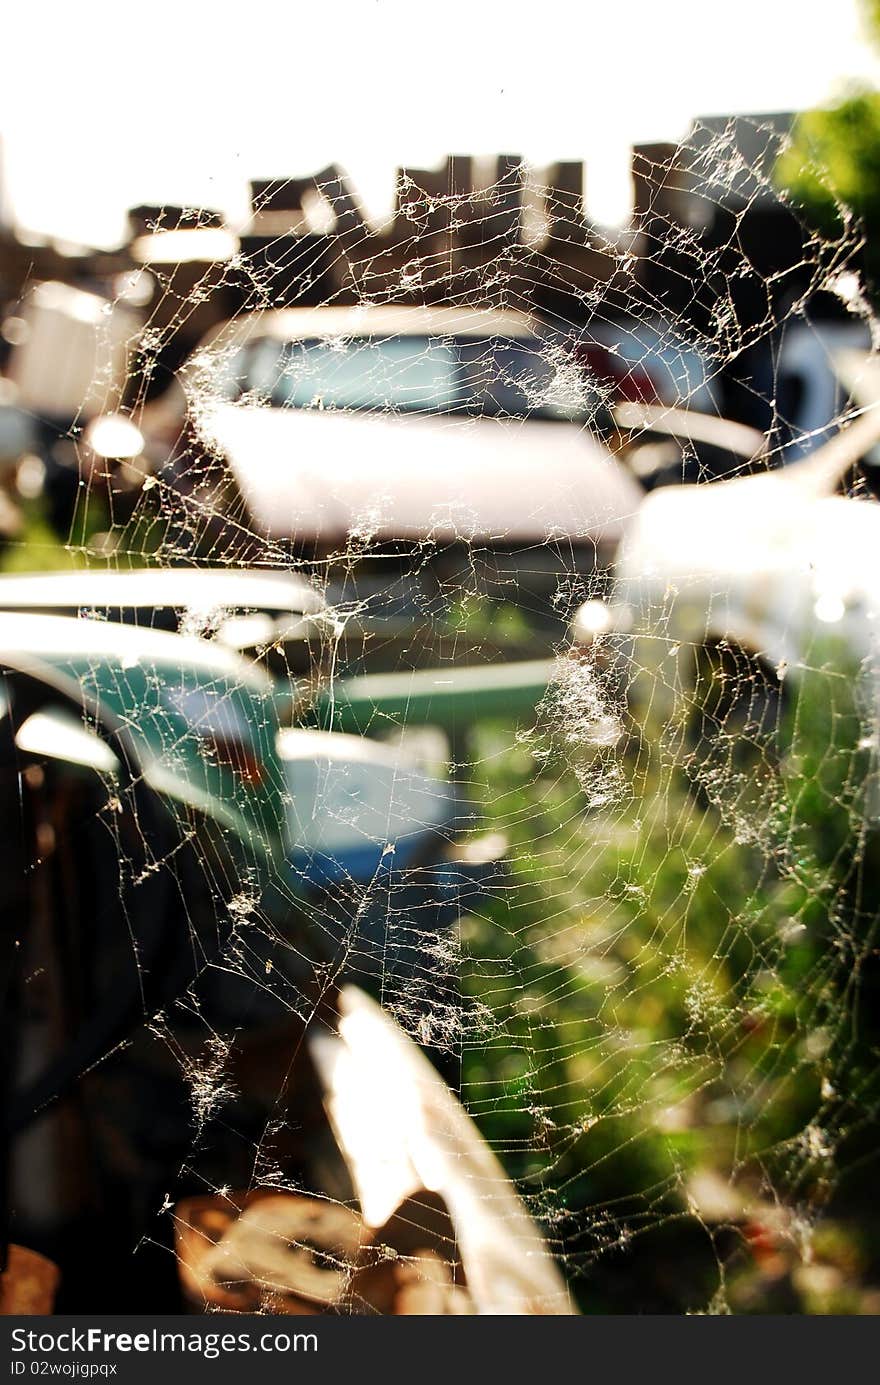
[{"x": 680, "y": 1067}]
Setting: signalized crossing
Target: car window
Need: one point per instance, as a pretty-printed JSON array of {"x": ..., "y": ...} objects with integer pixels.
[
  {"x": 411, "y": 374},
  {"x": 414, "y": 374},
  {"x": 518, "y": 379}
]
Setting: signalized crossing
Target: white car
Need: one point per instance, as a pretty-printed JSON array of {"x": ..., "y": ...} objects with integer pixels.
[
  {"x": 379, "y": 425},
  {"x": 770, "y": 567}
]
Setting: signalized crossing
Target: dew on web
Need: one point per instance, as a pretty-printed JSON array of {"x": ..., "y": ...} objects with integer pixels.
[{"x": 559, "y": 750}]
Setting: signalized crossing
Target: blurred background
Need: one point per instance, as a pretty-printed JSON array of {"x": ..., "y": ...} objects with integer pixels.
[{"x": 536, "y": 347}]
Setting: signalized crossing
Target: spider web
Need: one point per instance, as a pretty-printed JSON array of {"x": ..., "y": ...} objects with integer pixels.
[{"x": 658, "y": 1002}]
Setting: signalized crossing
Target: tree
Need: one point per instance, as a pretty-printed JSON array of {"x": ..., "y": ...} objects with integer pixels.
[{"x": 832, "y": 165}]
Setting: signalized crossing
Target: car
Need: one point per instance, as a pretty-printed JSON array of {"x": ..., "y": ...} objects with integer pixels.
[
  {"x": 177, "y": 865},
  {"x": 371, "y": 430},
  {"x": 211, "y": 731},
  {"x": 743, "y": 582}
]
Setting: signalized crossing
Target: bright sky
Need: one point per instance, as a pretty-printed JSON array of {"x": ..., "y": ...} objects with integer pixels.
[{"x": 104, "y": 105}]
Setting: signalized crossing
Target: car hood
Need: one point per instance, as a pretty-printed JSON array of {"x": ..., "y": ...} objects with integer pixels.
[
  {"x": 763, "y": 560},
  {"x": 326, "y": 476}
]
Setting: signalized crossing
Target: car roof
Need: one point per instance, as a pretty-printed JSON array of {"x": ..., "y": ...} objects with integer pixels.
[
  {"x": 65, "y": 641},
  {"x": 195, "y": 589}
]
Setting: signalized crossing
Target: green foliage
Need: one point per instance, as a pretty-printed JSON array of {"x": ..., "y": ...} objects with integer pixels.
[
  {"x": 38, "y": 548},
  {"x": 833, "y": 163},
  {"x": 677, "y": 1001},
  {"x": 832, "y": 166},
  {"x": 871, "y": 14}
]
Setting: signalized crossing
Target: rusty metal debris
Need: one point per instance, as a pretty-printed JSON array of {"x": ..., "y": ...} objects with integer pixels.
[
  {"x": 285, "y": 1253},
  {"x": 440, "y": 1230},
  {"x": 28, "y": 1284}
]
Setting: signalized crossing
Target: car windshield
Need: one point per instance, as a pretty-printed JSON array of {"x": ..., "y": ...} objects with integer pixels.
[{"x": 412, "y": 374}]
